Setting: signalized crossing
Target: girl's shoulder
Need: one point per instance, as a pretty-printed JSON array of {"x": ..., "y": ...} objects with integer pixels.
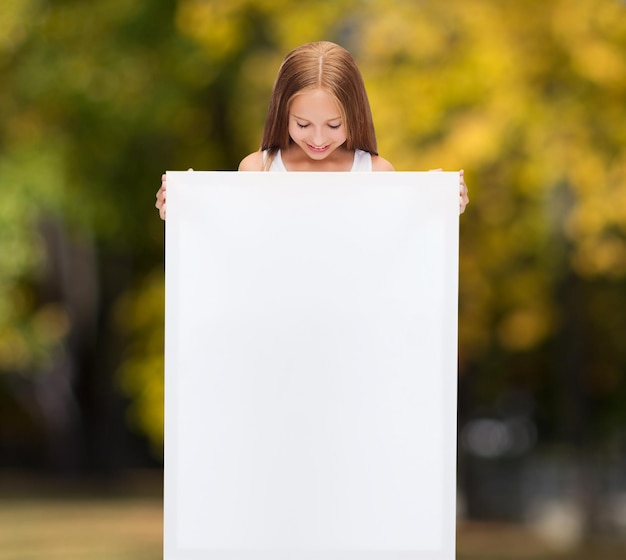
[
  {"x": 381, "y": 164},
  {"x": 252, "y": 162}
]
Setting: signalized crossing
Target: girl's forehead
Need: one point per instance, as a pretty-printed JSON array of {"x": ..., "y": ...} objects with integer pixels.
[{"x": 316, "y": 101}]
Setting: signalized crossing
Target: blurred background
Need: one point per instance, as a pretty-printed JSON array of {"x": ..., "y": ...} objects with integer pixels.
[{"x": 99, "y": 98}]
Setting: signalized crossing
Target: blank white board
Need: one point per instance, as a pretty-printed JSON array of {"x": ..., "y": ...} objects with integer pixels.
[{"x": 311, "y": 366}]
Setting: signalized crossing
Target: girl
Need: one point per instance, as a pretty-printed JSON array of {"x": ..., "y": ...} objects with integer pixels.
[{"x": 319, "y": 119}]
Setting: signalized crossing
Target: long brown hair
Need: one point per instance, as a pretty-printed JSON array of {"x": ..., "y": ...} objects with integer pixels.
[{"x": 330, "y": 67}]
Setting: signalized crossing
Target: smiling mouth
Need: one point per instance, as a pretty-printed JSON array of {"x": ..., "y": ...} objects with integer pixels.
[{"x": 318, "y": 148}]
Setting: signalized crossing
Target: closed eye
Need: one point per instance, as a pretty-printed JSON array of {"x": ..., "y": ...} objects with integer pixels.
[
  {"x": 334, "y": 126},
  {"x": 302, "y": 125}
]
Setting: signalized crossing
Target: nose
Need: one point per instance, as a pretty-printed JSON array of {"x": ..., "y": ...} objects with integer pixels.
[{"x": 317, "y": 138}]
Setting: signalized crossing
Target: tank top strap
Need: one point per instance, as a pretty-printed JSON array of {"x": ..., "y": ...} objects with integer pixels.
[
  {"x": 276, "y": 164},
  {"x": 362, "y": 161}
]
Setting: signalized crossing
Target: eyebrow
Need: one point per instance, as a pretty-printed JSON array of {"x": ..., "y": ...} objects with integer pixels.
[{"x": 337, "y": 118}]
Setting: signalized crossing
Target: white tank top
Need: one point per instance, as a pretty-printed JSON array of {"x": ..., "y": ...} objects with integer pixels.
[{"x": 362, "y": 161}]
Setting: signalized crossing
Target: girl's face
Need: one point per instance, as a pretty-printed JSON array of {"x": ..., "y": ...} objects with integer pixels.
[{"x": 315, "y": 124}]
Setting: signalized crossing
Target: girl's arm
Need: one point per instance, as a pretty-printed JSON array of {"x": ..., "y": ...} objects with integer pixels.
[
  {"x": 381, "y": 164},
  {"x": 253, "y": 162}
]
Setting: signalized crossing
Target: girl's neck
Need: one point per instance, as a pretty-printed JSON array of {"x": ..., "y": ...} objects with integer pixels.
[{"x": 295, "y": 159}]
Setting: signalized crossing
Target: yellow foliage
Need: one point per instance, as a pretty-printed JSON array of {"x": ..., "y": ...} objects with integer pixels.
[
  {"x": 15, "y": 354},
  {"x": 524, "y": 328},
  {"x": 141, "y": 314},
  {"x": 218, "y": 26},
  {"x": 601, "y": 256},
  {"x": 28, "y": 341},
  {"x": 15, "y": 17},
  {"x": 303, "y": 22}
]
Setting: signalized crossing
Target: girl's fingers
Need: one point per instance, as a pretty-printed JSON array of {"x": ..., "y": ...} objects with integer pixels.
[
  {"x": 160, "y": 197},
  {"x": 463, "y": 193}
]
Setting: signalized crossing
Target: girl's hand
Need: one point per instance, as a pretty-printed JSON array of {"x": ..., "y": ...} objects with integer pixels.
[
  {"x": 463, "y": 193},
  {"x": 464, "y": 199},
  {"x": 160, "y": 197}
]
